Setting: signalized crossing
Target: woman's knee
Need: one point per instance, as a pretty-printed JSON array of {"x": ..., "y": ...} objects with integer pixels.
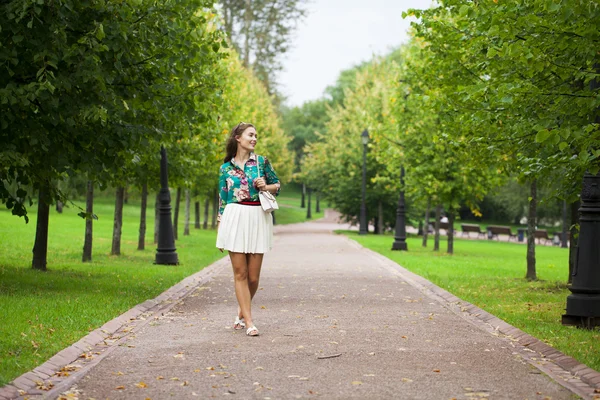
[
  {"x": 240, "y": 274},
  {"x": 252, "y": 280}
]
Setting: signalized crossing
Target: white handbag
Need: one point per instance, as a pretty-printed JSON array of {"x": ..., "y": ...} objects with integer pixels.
[{"x": 267, "y": 199}]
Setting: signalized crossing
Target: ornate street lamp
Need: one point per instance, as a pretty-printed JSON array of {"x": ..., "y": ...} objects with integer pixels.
[
  {"x": 165, "y": 253},
  {"x": 583, "y": 304},
  {"x": 364, "y": 137},
  {"x": 400, "y": 236}
]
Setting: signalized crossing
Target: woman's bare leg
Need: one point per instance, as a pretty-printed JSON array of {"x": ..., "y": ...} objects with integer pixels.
[
  {"x": 242, "y": 290},
  {"x": 254, "y": 262}
]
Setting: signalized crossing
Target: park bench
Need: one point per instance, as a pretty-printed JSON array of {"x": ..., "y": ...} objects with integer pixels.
[
  {"x": 468, "y": 228},
  {"x": 542, "y": 234},
  {"x": 445, "y": 226},
  {"x": 495, "y": 230}
]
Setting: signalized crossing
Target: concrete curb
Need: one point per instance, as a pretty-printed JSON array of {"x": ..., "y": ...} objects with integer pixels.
[
  {"x": 565, "y": 370},
  {"x": 91, "y": 349}
]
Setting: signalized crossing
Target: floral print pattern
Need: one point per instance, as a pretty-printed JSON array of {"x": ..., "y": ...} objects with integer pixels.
[{"x": 236, "y": 183}]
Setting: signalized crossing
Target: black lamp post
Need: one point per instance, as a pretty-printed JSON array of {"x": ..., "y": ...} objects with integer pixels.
[
  {"x": 165, "y": 253},
  {"x": 400, "y": 236},
  {"x": 583, "y": 304},
  {"x": 364, "y": 137}
]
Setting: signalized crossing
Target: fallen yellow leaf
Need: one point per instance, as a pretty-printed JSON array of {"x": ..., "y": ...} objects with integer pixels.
[
  {"x": 141, "y": 385},
  {"x": 357, "y": 383},
  {"x": 120, "y": 387}
]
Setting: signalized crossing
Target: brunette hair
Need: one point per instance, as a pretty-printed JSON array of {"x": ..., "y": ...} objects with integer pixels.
[{"x": 231, "y": 147}]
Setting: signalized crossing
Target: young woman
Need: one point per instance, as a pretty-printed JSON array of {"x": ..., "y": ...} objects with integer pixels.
[{"x": 244, "y": 229}]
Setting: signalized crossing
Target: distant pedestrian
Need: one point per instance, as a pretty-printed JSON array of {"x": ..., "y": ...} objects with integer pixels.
[{"x": 244, "y": 229}]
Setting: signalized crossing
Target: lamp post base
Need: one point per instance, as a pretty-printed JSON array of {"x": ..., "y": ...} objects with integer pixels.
[
  {"x": 581, "y": 322},
  {"x": 398, "y": 245},
  {"x": 166, "y": 258}
]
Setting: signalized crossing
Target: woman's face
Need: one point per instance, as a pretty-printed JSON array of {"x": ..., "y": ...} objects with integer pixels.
[{"x": 247, "y": 140}]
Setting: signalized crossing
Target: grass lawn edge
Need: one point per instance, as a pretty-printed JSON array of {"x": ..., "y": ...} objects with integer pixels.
[
  {"x": 99, "y": 343},
  {"x": 530, "y": 348}
]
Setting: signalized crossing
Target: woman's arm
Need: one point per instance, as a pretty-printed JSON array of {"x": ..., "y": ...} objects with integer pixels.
[
  {"x": 222, "y": 192},
  {"x": 271, "y": 179}
]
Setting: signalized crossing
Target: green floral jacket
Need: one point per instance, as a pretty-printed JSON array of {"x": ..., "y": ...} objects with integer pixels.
[{"x": 237, "y": 183}]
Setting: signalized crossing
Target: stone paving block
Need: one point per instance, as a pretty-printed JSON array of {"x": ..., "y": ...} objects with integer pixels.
[
  {"x": 40, "y": 374},
  {"x": 580, "y": 369},
  {"x": 568, "y": 362},
  {"x": 9, "y": 392},
  {"x": 62, "y": 358},
  {"x": 24, "y": 382},
  {"x": 595, "y": 380},
  {"x": 113, "y": 325},
  {"x": 588, "y": 374}
]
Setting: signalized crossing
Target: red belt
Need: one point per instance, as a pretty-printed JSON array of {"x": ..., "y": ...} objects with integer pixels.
[{"x": 249, "y": 203}]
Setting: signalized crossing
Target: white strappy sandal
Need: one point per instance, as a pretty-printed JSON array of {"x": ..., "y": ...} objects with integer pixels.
[
  {"x": 252, "y": 331},
  {"x": 239, "y": 323}
]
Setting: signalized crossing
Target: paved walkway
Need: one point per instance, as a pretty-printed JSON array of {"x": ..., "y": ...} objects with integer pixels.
[{"x": 337, "y": 321}]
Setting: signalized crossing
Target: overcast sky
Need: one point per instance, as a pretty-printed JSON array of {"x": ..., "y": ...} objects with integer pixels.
[{"x": 336, "y": 35}]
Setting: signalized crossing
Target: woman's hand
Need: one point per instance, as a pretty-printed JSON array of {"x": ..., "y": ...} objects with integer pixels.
[{"x": 260, "y": 184}]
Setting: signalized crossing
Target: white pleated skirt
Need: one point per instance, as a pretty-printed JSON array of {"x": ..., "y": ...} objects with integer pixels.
[{"x": 245, "y": 229}]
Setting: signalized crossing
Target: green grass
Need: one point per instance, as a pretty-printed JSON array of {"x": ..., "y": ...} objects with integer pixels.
[
  {"x": 289, "y": 201},
  {"x": 490, "y": 274},
  {"x": 44, "y": 312}
]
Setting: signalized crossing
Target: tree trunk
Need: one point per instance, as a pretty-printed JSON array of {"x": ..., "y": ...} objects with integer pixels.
[
  {"x": 176, "y": 213},
  {"x": 125, "y": 195},
  {"x": 450, "y": 232},
  {"x": 59, "y": 206},
  {"x": 197, "y": 215},
  {"x": 118, "y": 222},
  {"x": 531, "y": 225},
  {"x": 156, "y": 218},
  {"x": 89, "y": 223},
  {"x": 318, "y": 202},
  {"x": 40, "y": 246},
  {"x": 206, "y": 207},
  {"x": 436, "y": 236},
  {"x": 572, "y": 239},
  {"x": 426, "y": 229},
  {"x": 309, "y": 209},
  {"x": 186, "y": 226},
  {"x": 215, "y": 209},
  {"x": 380, "y": 218},
  {"x": 144, "y": 206},
  {"x": 302, "y": 205}
]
